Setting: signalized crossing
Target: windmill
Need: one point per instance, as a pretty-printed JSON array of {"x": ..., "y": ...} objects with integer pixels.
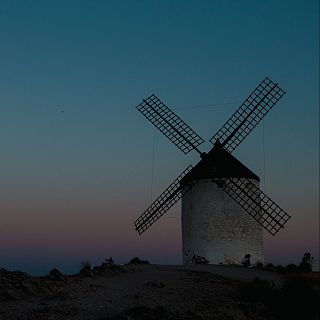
[{"x": 223, "y": 210}]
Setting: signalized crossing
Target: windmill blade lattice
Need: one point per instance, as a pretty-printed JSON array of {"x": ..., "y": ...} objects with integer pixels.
[
  {"x": 249, "y": 114},
  {"x": 256, "y": 203},
  {"x": 162, "y": 204},
  {"x": 174, "y": 128}
]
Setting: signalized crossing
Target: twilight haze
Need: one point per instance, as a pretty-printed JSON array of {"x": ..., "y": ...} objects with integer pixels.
[{"x": 77, "y": 157}]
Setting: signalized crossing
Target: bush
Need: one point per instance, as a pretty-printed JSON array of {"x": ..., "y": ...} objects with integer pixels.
[
  {"x": 280, "y": 269},
  {"x": 297, "y": 299},
  {"x": 85, "y": 265},
  {"x": 305, "y": 267},
  {"x": 55, "y": 274},
  {"x": 258, "y": 265},
  {"x": 85, "y": 269},
  {"x": 292, "y": 268},
  {"x": 137, "y": 260},
  {"x": 270, "y": 266}
]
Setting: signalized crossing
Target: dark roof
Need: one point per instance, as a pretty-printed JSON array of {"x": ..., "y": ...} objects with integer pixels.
[{"x": 218, "y": 163}]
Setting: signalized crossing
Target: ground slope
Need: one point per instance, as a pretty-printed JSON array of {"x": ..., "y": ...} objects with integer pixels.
[{"x": 149, "y": 292}]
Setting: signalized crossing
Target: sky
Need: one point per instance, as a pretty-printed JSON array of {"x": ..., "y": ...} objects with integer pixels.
[{"x": 79, "y": 163}]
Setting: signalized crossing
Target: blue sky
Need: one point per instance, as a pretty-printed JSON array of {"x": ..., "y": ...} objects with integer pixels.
[{"x": 72, "y": 182}]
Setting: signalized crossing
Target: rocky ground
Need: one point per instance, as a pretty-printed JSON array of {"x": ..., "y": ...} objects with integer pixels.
[{"x": 158, "y": 292}]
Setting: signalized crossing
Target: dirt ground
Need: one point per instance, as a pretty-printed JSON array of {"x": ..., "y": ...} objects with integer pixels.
[{"x": 145, "y": 292}]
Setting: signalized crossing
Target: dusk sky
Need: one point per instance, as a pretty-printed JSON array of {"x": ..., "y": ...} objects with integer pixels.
[{"x": 76, "y": 156}]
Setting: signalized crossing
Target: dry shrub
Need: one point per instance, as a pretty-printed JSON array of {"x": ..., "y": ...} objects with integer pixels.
[{"x": 297, "y": 299}]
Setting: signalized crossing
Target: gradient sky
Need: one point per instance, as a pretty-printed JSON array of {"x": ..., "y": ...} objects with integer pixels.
[{"x": 73, "y": 182}]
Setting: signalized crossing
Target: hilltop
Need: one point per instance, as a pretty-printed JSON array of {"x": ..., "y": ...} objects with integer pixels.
[{"x": 122, "y": 292}]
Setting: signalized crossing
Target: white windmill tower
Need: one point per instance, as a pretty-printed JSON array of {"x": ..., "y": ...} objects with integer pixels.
[{"x": 223, "y": 209}]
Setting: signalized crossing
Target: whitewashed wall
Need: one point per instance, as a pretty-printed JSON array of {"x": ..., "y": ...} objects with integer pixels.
[{"x": 216, "y": 227}]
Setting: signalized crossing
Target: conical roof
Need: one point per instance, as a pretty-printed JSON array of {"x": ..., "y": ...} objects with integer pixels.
[{"x": 218, "y": 163}]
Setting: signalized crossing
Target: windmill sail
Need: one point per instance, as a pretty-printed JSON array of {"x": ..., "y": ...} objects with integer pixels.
[
  {"x": 174, "y": 128},
  {"x": 256, "y": 203},
  {"x": 162, "y": 204},
  {"x": 249, "y": 114},
  {"x": 233, "y": 132}
]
